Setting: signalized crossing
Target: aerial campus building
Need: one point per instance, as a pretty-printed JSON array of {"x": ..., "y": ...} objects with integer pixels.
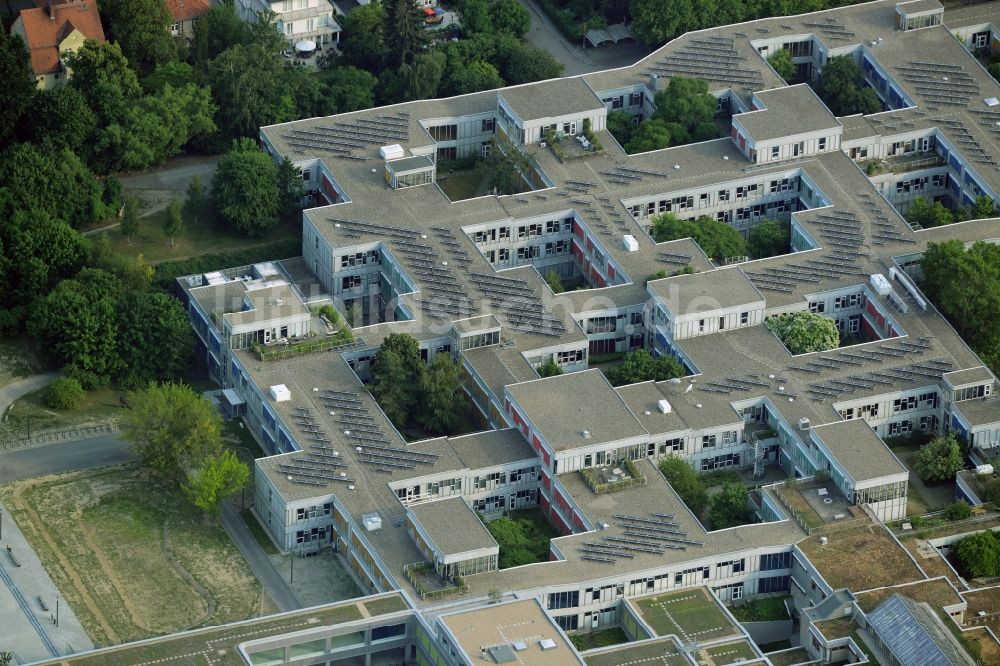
[{"x": 384, "y": 244}]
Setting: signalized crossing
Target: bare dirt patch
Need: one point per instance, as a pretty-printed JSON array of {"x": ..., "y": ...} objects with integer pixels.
[{"x": 131, "y": 556}]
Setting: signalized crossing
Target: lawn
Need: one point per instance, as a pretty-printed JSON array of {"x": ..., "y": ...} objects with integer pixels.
[
  {"x": 597, "y": 639},
  {"x": 800, "y": 506},
  {"x": 385, "y": 605},
  {"x": 465, "y": 184},
  {"x": 131, "y": 556},
  {"x": 30, "y": 413},
  {"x": 689, "y": 614},
  {"x": 257, "y": 530},
  {"x": 154, "y": 245},
  {"x": 922, "y": 498},
  {"x": 762, "y": 609},
  {"x": 17, "y": 359},
  {"x": 727, "y": 653}
]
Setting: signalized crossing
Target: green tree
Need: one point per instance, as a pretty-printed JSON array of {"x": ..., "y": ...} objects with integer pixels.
[
  {"x": 939, "y": 459},
  {"x": 928, "y": 214},
  {"x": 174, "y": 222},
  {"x": 475, "y": 76},
  {"x": 965, "y": 285},
  {"x": 728, "y": 507},
  {"x": 441, "y": 396},
  {"x": 519, "y": 62},
  {"x": 129, "y": 225},
  {"x": 247, "y": 84},
  {"x": 102, "y": 73},
  {"x": 194, "y": 200},
  {"x": 154, "y": 339},
  {"x": 621, "y": 127},
  {"x": 991, "y": 491},
  {"x": 290, "y": 191},
  {"x": 510, "y": 17},
  {"x": 245, "y": 189},
  {"x": 717, "y": 239},
  {"x": 656, "y": 21},
  {"x": 218, "y": 29},
  {"x": 141, "y": 28},
  {"x": 422, "y": 79},
  {"x": 781, "y": 62},
  {"x": 805, "y": 332},
  {"x": 397, "y": 375},
  {"x": 363, "y": 40},
  {"x": 842, "y": 88},
  {"x": 651, "y": 134},
  {"x": 172, "y": 430},
  {"x": 349, "y": 88},
  {"x": 640, "y": 366},
  {"x": 687, "y": 109},
  {"x": 983, "y": 208},
  {"x": 218, "y": 477},
  {"x": 685, "y": 482},
  {"x": 76, "y": 326},
  {"x": 49, "y": 180},
  {"x": 475, "y": 16},
  {"x": 174, "y": 74},
  {"x": 979, "y": 554},
  {"x": 770, "y": 238},
  {"x": 994, "y": 69},
  {"x": 555, "y": 282},
  {"x": 17, "y": 91},
  {"x": 519, "y": 542},
  {"x": 957, "y": 510},
  {"x": 61, "y": 118},
  {"x": 549, "y": 369},
  {"x": 404, "y": 27},
  {"x": 65, "y": 393}
]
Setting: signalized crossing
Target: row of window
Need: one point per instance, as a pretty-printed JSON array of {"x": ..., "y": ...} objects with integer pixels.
[
  {"x": 618, "y": 102},
  {"x": 570, "y": 357},
  {"x": 725, "y": 438},
  {"x": 706, "y": 199},
  {"x": 310, "y": 512},
  {"x": 358, "y": 259},
  {"x": 720, "y": 462},
  {"x": 971, "y": 392},
  {"x": 925, "y": 401}
]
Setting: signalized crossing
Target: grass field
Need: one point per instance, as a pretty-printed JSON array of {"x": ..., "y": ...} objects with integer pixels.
[
  {"x": 196, "y": 239},
  {"x": 727, "y": 653},
  {"x": 861, "y": 559},
  {"x": 131, "y": 556},
  {"x": 31, "y": 412},
  {"x": 17, "y": 359},
  {"x": 689, "y": 614},
  {"x": 596, "y": 639},
  {"x": 465, "y": 184},
  {"x": 762, "y": 609},
  {"x": 385, "y": 605}
]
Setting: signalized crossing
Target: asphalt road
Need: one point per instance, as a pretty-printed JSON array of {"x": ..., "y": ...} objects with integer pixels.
[
  {"x": 273, "y": 582},
  {"x": 66, "y": 457},
  {"x": 22, "y": 387}
]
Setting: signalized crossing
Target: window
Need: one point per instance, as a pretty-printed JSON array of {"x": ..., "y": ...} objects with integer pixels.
[
  {"x": 720, "y": 462},
  {"x": 817, "y": 306},
  {"x": 775, "y": 152},
  {"x": 900, "y": 427},
  {"x": 707, "y": 441},
  {"x": 487, "y": 125},
  {"x": 822, "y": 143},
  {"x": 443, "y": 132},
  {"x": 568, "y": 357},
  {"x": 773, "y": 584},
  {"x": 672, "y": 446},
  {"x": 973, "y": 392},
  {"x": 564, "y": 600},
  {"x": 310, "y": 23},
  {"x": 773, "y": 561},
  {"x": 350, "y": 282},
  {"x": 289, "y": 27},
  {"x": 744, "y": 318},
  {"x": 635, "y": 99},
  {"x": 903, "y": 404}
]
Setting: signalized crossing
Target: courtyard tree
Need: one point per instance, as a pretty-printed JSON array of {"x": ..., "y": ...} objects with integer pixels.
[
  {"x": 842, "y": 88},
  {"x": 621, "y": 127},
  {"x": 397, "y": 374},
  {"x": 805, "y": 332},
  {"x": 685, "y": 482},
  {"x": 781, "y": 62},
  {"x": 957, "y": 510},
  {"x": 245, "y": 189},
  {"x": 939, "y": 459},
  {"x": 172, "y": 429},
  {"x": 927, "y": 214},
  {"x": 549, "y": 369},
  {"x": 979, "y": 554},
  {"x": 218, "y": 477},
  {"x": 688, "y": 109},
  {"x": 770, "y": 238},
  {"x": 441, "y": 401},
  {"x": 640, "y": 366},
  {"x": 555, "y": 282},
  {"x": 290, "y": 191},
  {"x": 717, "y": 239},
  {"x": 650, "y": 135},
  {"x": 728, "y": 507}
]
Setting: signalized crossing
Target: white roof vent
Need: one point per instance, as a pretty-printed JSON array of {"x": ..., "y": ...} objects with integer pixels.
[
  {"x": 391, "y": 152},
  {"x": 371, "y": 521},
  {"x": 880, "y": 284},
  {"x": 280, "y": 393},
  {"x": 586, "y": 434},
  {"x": 547, "y": 644},
  {"x": 630, "y": 243},
  {"x": 520, "y": 646},
  {"x": 664, "y": 406},
  {"x": 803, "y": 424}
]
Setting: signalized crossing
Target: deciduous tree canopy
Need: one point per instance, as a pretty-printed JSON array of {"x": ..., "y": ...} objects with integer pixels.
[
  {"x": 939, "y": 459},
  {"x": 805, "y": 332},
  {"x": 640, "y": 366},
  {"x": 245, "y": 189},
  {"x": 717, "y": 239}
]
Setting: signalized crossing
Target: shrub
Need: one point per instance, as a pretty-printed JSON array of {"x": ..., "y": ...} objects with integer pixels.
[
  {"x": 805, "y": 332},
  {"x": 958, "y": 510},
  {"x": 65, "y": 393},
  {"x": 549, "y": 369}
]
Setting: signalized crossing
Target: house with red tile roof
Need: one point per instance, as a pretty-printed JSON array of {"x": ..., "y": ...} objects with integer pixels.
[
  {"x": 185, "y": 15},
  {"x": 52, "y": 29}
]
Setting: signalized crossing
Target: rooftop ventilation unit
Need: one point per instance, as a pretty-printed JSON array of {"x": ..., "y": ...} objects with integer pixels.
[
  {"x": 880, "y": 284},
  {"x": 280, "y": 393},
  {"x": 547, "y": 644},
  {"x": 586, "y": 434},
  {"x": 391, "y": 152},
  {"x": 371, "y": 521},
  {"x": 630, "y": 243},
  {"x": 803, "y": 424},
  {"x": 664, "y": 406}
]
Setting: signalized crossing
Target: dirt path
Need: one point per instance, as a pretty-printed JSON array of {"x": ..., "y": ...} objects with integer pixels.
[
  {"x": 204, "y": 594},
  {"x": 24, "y": 503},
  {"x": 107, "y": 568}
]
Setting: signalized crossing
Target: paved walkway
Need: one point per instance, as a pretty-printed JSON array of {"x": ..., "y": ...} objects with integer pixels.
[
  {"x": 66, "y": 457},
  {"x": 273, "y": 582},
  {"x": 26, "y": 629},
  {"x": 22, "y": 387}
]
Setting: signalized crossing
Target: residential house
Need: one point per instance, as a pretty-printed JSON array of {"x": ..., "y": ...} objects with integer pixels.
[
  {"x": 53, "y": 29},
  {"x": 185, "y": 14}
]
